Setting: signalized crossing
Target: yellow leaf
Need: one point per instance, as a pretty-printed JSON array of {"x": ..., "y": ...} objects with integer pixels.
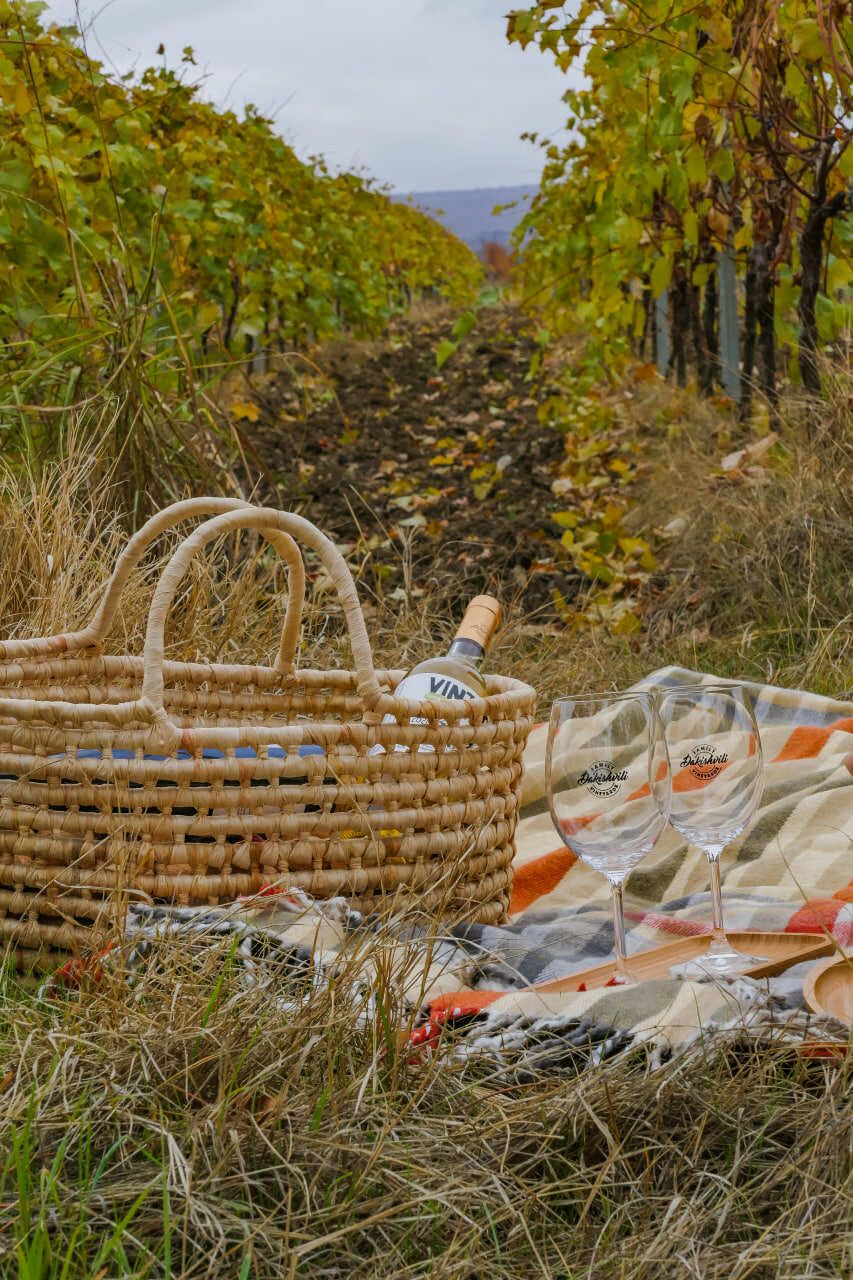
[
  {"x": 246, "y": 410},
  {"x": 692, "y": 112},
  {"x": 808, "y": 41},
  {"x": 627, "y": 624},
  {"x": 612, "y": 515},
  {"x": 720, "y": 30},
  {"x": 661, "y": 276},
  {"x": 743, "y": 236},
  {"x": 23, "y": 102},
  {"x": 719, "y": 224},
  {"x": 839, "y": 275},
  {"x": 697, "y": 170}
]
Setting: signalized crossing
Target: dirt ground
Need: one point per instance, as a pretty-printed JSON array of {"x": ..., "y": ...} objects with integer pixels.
[{"x": 441, "y": 476}]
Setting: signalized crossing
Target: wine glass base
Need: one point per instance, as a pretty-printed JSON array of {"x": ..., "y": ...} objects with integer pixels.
[{"x": 718, "y": 964}]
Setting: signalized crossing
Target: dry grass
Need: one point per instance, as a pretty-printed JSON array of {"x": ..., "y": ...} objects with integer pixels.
[
  {"x": 758, "y": 581},
  {"x": 194, "y": 1128},
  {"x": 190, "y": 1126}
]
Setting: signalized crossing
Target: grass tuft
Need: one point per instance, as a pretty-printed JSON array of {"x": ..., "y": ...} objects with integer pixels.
[{"x": 192, "y": 1126}]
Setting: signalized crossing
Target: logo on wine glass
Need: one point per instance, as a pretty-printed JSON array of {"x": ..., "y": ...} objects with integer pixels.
[
  {"x": 704, "y": 762},
  {"x": 602, "y": 779}
]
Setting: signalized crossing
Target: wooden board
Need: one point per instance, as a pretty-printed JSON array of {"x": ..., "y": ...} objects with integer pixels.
[
  {"x": 781, "y": 949},
  {"x": 828, "y": 987}
]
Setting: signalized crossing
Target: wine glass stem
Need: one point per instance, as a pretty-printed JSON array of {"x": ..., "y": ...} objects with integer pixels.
[
  {"x": 619, "y": 930},
  {"x": 713, "y": 853}
]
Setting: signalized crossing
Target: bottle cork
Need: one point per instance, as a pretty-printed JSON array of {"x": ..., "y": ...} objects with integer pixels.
[{"x": 482, "y": 618}]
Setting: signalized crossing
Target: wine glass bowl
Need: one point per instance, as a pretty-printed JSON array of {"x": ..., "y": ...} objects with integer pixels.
[
  {"x": 717, "y": 766},
  {"x": 608, "y": 784}
]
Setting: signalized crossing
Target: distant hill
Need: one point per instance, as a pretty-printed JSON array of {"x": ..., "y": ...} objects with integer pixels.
[{"x": 468, "y": 214}]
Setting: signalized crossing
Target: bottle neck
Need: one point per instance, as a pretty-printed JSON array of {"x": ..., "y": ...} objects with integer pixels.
[{"x": 465, "y": 647}]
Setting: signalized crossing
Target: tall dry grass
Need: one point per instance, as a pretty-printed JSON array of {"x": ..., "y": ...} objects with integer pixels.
[{"x": 191, "y": 1127}]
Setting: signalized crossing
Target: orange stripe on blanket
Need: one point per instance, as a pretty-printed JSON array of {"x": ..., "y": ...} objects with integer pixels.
[
  {"x": 845, "y": 894},
  {"x": 539, "y": 877},
  {"x": 669, "y": 924},
  {"x": 805, "y": 742},
  {"x": 463, "y": 1001},
  {"x": 815, "y": 916},
  {"x": 684, "y": 780}
]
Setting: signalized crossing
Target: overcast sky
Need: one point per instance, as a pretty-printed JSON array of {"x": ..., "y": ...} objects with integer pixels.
[{"x": 423, "y": 94}]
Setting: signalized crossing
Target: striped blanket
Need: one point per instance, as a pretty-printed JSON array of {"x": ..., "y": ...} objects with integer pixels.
[{"x": 791, "y": 871}]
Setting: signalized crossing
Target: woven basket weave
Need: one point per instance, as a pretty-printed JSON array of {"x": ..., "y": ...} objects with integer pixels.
[{"x": 197, "y": 782}]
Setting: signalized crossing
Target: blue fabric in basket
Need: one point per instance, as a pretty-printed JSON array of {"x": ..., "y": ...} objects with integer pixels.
[{"x": 208, "y": 753}]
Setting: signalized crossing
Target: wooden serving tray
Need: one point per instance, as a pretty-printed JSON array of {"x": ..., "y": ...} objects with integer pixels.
[
  {"x": 828, "y": 987},
  {"x": 782, "y": 950}
]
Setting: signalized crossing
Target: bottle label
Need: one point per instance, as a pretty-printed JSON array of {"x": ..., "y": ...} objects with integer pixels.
[{"x": 425, "y": 686}]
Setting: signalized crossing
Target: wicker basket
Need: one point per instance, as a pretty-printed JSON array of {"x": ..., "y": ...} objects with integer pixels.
[{"x": 196, "y": 783}]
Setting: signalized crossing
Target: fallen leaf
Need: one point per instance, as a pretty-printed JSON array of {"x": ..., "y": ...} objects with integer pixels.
[
  {"x": 733, "y": 460},
  {"x": 246, "y": 410},
  {"x": 760, "y": 447}
]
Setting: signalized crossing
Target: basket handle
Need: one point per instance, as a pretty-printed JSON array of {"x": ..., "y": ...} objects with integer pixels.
[
  {"x": 98, "y": 627},
  {"x": 270, "y": 522}
]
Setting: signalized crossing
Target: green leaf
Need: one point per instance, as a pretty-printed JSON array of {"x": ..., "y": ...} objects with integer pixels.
[
  {"x": 464, "y": 324},
  {"x": 15, "y": 176},
  {"x": 807, "y": 40},
  {"x": 565, "y": 519},
  {"x": 697, "y": 170},
  {"x": 723, "y": 165},
  {"x": 600, "y": 571},
  {"x": 444, "y": 351},
  {"x": 661, "y": 276},
  {"x": 702, "y": 273},
  {"x": 691, "y": 229}
]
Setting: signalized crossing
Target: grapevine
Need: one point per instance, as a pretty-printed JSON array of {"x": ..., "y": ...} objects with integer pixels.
[
  {"x": 202, "y": 230},
  {"x": 703, "y": 129}
]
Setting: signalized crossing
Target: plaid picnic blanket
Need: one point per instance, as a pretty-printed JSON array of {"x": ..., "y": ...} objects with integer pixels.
[{"x": 791, "y": 871}]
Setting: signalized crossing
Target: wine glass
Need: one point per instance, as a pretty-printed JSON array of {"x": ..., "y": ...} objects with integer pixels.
[
  {"x": 608, "y": 782},
  {"x": 718, "y": 776}
]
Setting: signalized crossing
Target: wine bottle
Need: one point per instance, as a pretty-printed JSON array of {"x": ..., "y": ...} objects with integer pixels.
[{"x": 457, "y": 674}]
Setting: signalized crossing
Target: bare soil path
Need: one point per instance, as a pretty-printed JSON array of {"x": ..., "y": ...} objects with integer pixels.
[{"x": 443, "y": 476}]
